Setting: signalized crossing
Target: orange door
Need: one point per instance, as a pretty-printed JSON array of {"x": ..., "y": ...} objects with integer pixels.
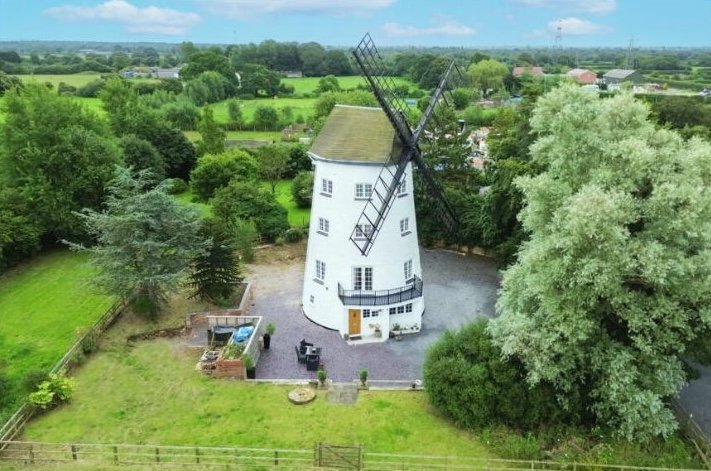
[{"x": 354, "y": 322}]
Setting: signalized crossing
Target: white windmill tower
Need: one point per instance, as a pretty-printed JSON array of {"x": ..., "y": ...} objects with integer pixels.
[{"x": 363, "y": 190}]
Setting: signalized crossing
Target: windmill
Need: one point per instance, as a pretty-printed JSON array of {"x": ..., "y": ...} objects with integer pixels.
[
  {"x": 363, "y": 190},
  {"x": 385, "y": 187}
]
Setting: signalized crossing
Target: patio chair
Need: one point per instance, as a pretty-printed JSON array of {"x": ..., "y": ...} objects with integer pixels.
[
  {"x": 312, "y": 362},
  {"x": 300, "y": 356}
]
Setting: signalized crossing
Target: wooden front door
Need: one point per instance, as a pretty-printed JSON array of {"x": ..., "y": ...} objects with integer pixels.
[{"x": 354, "y": 322}]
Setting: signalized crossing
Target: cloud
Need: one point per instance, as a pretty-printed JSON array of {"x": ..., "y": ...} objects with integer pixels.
[
  {"x": 442, "y": 26},
  {"x": 241, "y": 9},
  {"x": 585, "y": 6},
  {"x": 577, "y": 27},
  {"x": 136, "y": 20},
  {"x": 569, "y": 27}
]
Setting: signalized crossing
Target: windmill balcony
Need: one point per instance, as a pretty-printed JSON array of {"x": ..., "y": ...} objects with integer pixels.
[{"x": 382, "y": 297}]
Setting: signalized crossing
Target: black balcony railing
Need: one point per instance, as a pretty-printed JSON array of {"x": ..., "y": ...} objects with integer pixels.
[{"x": 382, "y": 297}]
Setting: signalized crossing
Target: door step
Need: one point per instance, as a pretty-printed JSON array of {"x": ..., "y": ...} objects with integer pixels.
[{"x": 355, "y": 337}]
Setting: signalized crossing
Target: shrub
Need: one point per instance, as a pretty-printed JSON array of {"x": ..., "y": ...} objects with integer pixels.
[
  {"x": 177, "y": 186},
  {"x": 250, "y": 202},
  {"x": 215, "y": 171},
  {"x": 302, "y": 189},
  {"x": 91, "y": 89},
  {"x": 293, "y": 235},
  {"x": 55, "y": 390},
  {"x": 470, "y": 382},
  {"x": 142, "y": 155},
  {"x": 182, "y": 114},
  {"x": 245, "y": 236}
]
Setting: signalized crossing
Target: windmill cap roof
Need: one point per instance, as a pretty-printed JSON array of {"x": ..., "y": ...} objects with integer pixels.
[{"x": 356, "y": 134}]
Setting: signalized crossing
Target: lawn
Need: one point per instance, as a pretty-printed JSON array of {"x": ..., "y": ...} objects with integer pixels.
[
  {"x": 154, "y": 395},
  {"x": 75, "y": 80},
  {"x": 298, "y": 217},
  {"x": 188, "y": 198},
  {"x": 270, "y": 136},
  {"x": 44, "y": 304},
  {"x": 309, "y": 84},
  {"x": 299, "y": 106}
]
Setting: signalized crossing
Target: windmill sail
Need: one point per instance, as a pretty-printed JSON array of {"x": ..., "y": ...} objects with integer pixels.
[{"x": 386, "y": 186}]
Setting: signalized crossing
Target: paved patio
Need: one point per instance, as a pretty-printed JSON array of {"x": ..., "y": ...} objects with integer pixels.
[{"x": 457, "y": 289}]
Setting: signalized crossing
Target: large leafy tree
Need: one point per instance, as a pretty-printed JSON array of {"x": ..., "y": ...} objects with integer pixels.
[
  {"x": 487, "y": 74},
  {"x": 615, "y": 280},
  {"x": 145, "y": 241},
  {"x": 273, "y": 163},
  {"x": 57, "y": 155},
  {"x": 212, "y": 136},
  {"x": 215, "y": 171}
]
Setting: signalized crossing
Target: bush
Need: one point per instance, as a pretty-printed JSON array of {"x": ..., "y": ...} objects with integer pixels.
[
  {"x": 469, "y": 381},
  {"x": 250, "y": 202},
  {"x": 215, "y": 171},
  {"x": 141, "y": 155},
  {"x": 91, "y": 89},
  {"x": 182, "y": 115},
  {"x": 245, "y": 236},
  {"x": 298, "y": 160},
  {"x": 66, "y": 89},
  {"x": 293, "y": 235},
  {"x": 177, "y": 186},
  {"x": 302, "y": 189},
  {"x": 55, "y": 390}
]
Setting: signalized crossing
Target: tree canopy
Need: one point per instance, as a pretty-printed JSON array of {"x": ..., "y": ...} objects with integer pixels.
[
  {"x": 615, "y": 279},
  {"x": 145, "y": 240}
]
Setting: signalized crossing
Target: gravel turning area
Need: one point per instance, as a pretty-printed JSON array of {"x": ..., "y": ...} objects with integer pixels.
[{"x": 457, "y": 289}]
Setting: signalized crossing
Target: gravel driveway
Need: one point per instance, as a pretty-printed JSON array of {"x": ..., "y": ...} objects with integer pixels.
[{"x": 457, "y": 289}]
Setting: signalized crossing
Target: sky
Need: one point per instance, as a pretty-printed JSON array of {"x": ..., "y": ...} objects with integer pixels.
[{"x": 465, "y": 23}]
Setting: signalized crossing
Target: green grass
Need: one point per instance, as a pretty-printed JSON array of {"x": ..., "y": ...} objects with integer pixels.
[
  {"x": 188, "y": 198},
  {"x": 299, "y": 106},
  {"x": 270, "y": 136},
  {"x": 75, "y": 80},
  {"x": 154, "y": 395},
  {"x": 309, "y": 84},
  {"x": 44, "y": 304},
  {"x": 298, "y": 217}
]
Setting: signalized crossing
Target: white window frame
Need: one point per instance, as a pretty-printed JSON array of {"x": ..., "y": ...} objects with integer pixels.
[
  {"x": 404, "y": 226},
  {"x": 408, "y": 307},
  {"x": 362, "y": 278},
  {"x": 320, "y": 270},
  {"x": 407, "y": 268},
  {"x": 363, "y": 191},
  {"x": 326, "y": 187},
  {"x": 323, "y": 226},
  {"x": 402, "y": 186}
]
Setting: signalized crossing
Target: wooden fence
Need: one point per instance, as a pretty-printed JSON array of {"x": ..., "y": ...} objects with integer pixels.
[
  {"x": 70, "y": 359},
  {"x": 270, "y": 458}
]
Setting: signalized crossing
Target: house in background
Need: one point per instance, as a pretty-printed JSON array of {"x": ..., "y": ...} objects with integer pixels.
[
  {"x": 534, "y": 71},
  {"x": 617, "y": 76},
  {"x": 582, "y": 76}
]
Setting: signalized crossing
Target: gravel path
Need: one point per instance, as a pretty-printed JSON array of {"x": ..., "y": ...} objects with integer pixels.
[{"x": 457, "y": 289}]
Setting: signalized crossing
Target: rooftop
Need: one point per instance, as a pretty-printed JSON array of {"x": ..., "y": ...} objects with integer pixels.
[
  {"x": 356, "y": 134},
  {"x": 619, "y": 73}
]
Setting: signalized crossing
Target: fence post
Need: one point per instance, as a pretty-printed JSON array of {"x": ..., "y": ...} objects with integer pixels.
[
  {"x": 157, "y": 455},
  {"x": 197, "y": 455},
  {"x": 276, "y": 457},
  {"x": 32, "y": 455},
  {"x": 116, "y": 460},
  {"x": 74, "y": 452}
]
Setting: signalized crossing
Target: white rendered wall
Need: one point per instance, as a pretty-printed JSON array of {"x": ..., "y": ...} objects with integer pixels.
[{"x": 389, "y": 253}]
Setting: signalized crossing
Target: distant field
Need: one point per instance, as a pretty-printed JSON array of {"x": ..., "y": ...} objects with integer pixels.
[
  {"x": 45, "y": 304},
  {"x": 309, "y": 84},
  {"x": 241, "y": 135},
  {"x": 75, "y": 80},
  {"x": 302, "y": 106}
]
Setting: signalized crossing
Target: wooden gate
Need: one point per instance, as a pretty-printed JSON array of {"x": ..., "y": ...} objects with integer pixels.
[{"x": 338, "y": 457}]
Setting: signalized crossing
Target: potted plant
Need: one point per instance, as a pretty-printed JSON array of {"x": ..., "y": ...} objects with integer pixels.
[
  {"x": 321, "y": 375},
  {"x": 267, "y": 337},
  {"x": 363, "y": 375},
  {"x": 249, "y": 367}
]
